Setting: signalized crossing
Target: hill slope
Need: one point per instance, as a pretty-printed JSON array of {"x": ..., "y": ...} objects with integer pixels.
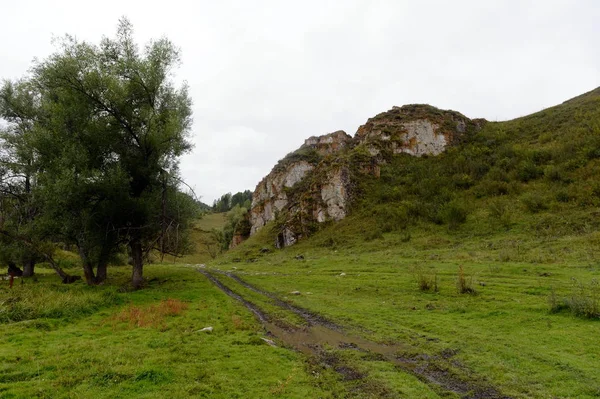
[{"x": 418, "y": 164}]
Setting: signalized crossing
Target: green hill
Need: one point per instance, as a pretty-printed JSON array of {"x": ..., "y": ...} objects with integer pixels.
[{"x": 487, "y": 252}]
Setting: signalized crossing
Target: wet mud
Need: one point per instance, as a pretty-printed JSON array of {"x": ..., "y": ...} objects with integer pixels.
[{"x": 320, "y": 335}]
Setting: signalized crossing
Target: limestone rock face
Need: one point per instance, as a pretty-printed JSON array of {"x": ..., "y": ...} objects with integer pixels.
[
  {"x": 413, "y": 129},
  {"x": 334, "y": 196},
  {"x": 270, "y": 197},
  {"x": 328, "y": 143},
  {"x": 326, "y": 166}
]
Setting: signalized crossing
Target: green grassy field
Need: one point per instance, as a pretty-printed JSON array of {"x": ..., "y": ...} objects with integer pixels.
[
  {"x": 471, "y": 274},
  {"x": 504, "y": 334},
  {"x": 76, "y": 341},
  {"x": 79, "y": 341},
  {"x": 204, "y": 243}
]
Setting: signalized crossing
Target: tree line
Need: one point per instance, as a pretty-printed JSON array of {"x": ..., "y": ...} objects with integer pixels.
[
  {"x": 228, "y": 201},
  {"x": 89, "y": 156}
]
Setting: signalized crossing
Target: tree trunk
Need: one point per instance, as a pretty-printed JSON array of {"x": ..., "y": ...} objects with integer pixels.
[
  {"x": 88, "y": 270},
  {"x": 28, "y": 268},
  {"x": 64, "y": 276},
  {"x": 137, "y": 276},
  {"x": 101, "y": 272}
]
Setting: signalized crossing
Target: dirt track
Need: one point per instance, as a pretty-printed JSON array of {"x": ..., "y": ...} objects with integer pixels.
[{"x": 320, "y": 331}]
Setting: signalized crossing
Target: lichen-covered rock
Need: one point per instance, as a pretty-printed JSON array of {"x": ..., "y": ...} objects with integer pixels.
[
  {"x": 334, "y": 196},
  {"x": 313, "y": 184},
  {"x": 270, "y": 196},
  {"x": 413, "y": 129},
  {"x": 328, "y": 143}
]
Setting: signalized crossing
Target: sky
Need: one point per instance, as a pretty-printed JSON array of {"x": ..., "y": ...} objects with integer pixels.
[{"x": 266, "y": 75}]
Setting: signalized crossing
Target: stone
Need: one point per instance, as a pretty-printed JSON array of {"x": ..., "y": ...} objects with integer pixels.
[
  {"x": 270, "y": 198},
  {"x": 269, "y": 342},
  {"x": 326, "y": 174},
  {"x": 328, "y": 143},
  {"x": 295, "y": 293}
]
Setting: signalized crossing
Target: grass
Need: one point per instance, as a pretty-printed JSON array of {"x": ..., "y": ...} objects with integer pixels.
[
  {"x": 205, "y": 245},
  {"x": 506, "y": 334},
  {"x": 143, "y": 344},
  {"x": 510, "y": 214}
]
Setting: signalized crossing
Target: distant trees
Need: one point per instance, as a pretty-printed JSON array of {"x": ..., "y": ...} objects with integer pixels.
[
  {"x": 228, "y": 201},
  {"x": 94, "y": 139}
]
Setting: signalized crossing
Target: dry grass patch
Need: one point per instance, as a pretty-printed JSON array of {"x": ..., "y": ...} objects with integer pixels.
[{"x": 150, "y": 316}]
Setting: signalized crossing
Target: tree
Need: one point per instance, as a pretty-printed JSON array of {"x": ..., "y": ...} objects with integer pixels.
[{"x": 109, "y": 130}]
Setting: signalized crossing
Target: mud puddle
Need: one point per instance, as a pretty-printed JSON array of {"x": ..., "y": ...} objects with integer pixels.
[{"x": 320, "y": 335}]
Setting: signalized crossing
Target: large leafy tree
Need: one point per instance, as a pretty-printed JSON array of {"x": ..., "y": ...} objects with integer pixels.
[{"x": 109, "y": 130}]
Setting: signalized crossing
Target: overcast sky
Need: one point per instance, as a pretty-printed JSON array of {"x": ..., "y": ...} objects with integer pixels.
[{"x": 265, "y": 75}]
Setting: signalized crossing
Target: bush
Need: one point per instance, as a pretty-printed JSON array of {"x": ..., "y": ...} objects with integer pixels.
[
  {"x": 490, "y": 188},
  {"x": 453, "y": 214},
  {"x": 527, "y": 170},
  {"x": 534, "y": 202},
  {"x": 583, "y": 301},
  {"x": 499, "y": 210},
  {"x": 464, "y": 285},
  {"x": 426, "y": 281},
  {"x": 392, "y": 217},
  {"x": 374, "y": 234}
]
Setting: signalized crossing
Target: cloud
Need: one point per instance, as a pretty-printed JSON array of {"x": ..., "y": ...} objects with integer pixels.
[{"x": 265, "y": 75}]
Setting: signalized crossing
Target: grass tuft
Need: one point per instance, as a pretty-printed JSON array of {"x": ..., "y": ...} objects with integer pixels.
[{"x": 464, "y": 285}]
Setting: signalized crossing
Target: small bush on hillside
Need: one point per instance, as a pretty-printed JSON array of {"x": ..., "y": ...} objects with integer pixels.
[
  {"x": 464, "y": 284},
  {"x": 534, "y": 202},
  {"x": 528, "y": 170},
  {"x": 425, "y": 280},
  {"x": 453, "y": 214},
  {"x": 562, "y": 196},
  {"x": 583, "y": 301},
  {"x": 555, "y": 174},
  {"x": 374, "y": 234},
  {"x": 392, "y": 217},
  {"x": 491, "y": 188},
  {"x": 499, "y": 211}
]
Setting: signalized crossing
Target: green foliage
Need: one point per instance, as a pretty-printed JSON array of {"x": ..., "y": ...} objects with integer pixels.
[
  {"x": 104, "y": 126},
  {"x": 237, "y": 223},
  {"x": 227, "y": 201},
  {"x": 426, "y": 280},
  {"x": 454, "y": 214},
  {"x": 534, "y": 202},
  {"x": 584, "y": 301},
  {"x": 464, "y": 284}
]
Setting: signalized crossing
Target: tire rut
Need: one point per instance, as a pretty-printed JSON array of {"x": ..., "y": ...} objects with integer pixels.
[{"x": 320, "y": 331}]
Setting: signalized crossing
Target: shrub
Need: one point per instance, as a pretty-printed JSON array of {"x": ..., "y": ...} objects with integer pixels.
[
  {"x": 392, "y": 217},
  {"x": 374, "y": 234},
  {"x": 527, "y": 170},
  {"x": 562, "y": 196},
  {"x": 490, "y": 188},
  {"x": 583, "y": 301},
  {"x": 499, "y": 210},
  {"x": 454, "y": 214},
  {"x": 534, "y": 202},
  {"x": 426, "y": 281},
  {"x": 464, "y": 285}
]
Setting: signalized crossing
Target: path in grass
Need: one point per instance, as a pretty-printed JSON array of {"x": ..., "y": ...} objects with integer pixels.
[{"x": 318, "y": 334}]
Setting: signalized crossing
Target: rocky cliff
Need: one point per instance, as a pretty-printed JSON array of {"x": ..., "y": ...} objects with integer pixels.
[{"x": 314, "y": 184}]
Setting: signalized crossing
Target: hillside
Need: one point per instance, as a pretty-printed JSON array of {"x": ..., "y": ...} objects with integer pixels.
[
  {"x": 418, "y": 164},
  {"x": 379, "y": 266},
  {"x": 481, "y": 262}
]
